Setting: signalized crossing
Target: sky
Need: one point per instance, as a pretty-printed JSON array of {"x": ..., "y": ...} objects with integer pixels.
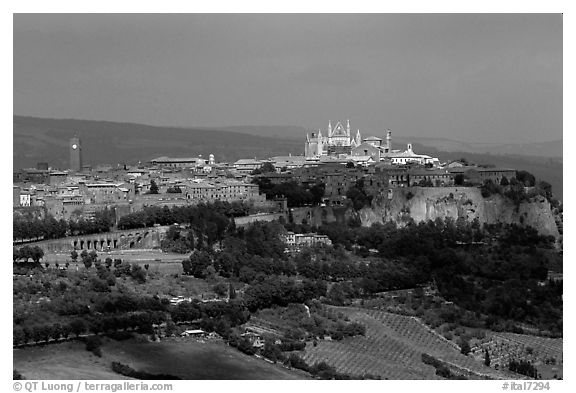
[{"x": 491, "y": 78}]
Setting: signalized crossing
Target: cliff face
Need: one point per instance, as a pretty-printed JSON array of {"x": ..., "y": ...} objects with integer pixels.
[{"x": 429, "y": 203}]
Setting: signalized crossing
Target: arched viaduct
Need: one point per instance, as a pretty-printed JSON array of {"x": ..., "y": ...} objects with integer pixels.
[{"x": 117, "y": 240}]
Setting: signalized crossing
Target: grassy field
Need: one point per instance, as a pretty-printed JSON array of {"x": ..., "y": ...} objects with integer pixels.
[
  {"x": 165, "y": 262},
  {"x": 186, "y": 359},
  {"x": 67, "y": 360}
]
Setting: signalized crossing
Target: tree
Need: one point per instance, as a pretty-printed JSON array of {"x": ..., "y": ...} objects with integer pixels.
[
  {"x": 464, "y": 347},
  {"x": 350, "y": 164},
  {"x": 504, "y": 181},
  {"x": 93, "y": 256},
  {"x": 231, "y": 291},
  {"x": 74, "y": 256},
  {"x": 267, "y": 167},
  {"x": 153, "y": 187},
  {"x": 94, "y": 345},
  {"x": 37, "y": 254},
  {"x": 358, "y": 195},
  {"x": 220, "y": 289},
  {"x": 545, "y": 189},
  {"x": 56, "y": 331},
  {"x": 137, "y": 273},
  {"x": 459, "y": 180},
  {"x": 317, "y": 191},
  {"x": 526, "y": 178},
  {"x": 25, "y": 253},
  {"x": 197, "y": 263},
  {"x": 489, "y": 188}
]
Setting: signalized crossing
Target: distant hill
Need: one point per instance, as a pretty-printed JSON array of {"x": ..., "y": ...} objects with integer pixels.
[
  {"x": 40, "y": 139},
  {"x": 540, "y": 149},
  {"x": 543, "y": 168},
  {"x": 46, "y": 140},
  {"x": 284, "y": 132}
]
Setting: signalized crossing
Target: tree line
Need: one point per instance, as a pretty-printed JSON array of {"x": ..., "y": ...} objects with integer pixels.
[{"x": 27, "y": 227}]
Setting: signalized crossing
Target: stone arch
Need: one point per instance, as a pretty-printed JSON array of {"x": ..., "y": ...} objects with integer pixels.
[
  {"x": 132, "y": 244},
  {"x": 108, "y": 241},
  {"x": 146, "y": 234},
  {"x": 139, "y": 239},
  {"x": 88, "y": 244},
  {"x": 75, "y": 244},
  {"x": 115, "y": 242},
  {"x": 102, "y": 244},
  {"x": 81, "y": 244}
]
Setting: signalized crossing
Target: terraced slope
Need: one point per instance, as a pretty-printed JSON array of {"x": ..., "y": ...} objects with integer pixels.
[{"x": 392, "y": 348}]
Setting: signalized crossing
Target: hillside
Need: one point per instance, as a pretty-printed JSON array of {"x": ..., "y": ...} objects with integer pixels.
[
  {"x": 38, "y": 139},
  {"x": 392, "y": 349}
]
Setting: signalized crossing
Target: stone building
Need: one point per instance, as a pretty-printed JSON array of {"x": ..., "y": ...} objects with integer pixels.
[{"x": 337, "y": 140}]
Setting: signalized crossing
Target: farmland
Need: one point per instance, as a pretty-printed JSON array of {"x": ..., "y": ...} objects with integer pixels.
[
  {"x": 392, "y": 348},
  {"x": 188, "y": 359}
]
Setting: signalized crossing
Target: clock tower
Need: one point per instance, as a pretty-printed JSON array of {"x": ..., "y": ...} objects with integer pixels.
[{"x": 75, "y": 154}]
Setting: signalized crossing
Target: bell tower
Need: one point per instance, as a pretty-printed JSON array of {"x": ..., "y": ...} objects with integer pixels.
[{"x": 75, "y": 148}]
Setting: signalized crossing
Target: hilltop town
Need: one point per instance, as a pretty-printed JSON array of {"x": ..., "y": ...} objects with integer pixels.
[
  {"x": 299, "y": 261},
  {"x": 331, "y": 167}
]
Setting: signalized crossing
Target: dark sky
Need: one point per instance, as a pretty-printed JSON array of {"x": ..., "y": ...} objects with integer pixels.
[{"x": 470, "y": 77}]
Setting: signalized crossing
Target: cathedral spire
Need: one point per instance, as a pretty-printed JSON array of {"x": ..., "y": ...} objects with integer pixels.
[
  {"x": 348, "y": 127},
  {"x": 358, "y": 138},
  {"x": 329, "y": 129}
]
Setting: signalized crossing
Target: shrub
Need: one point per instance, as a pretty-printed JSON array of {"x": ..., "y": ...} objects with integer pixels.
[
  {"x": 94, "y": 345},
  {"x": 128, "y": 371}
]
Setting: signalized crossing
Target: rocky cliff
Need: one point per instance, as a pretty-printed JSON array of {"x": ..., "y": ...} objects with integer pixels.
[{"x": 429, "y": 203}]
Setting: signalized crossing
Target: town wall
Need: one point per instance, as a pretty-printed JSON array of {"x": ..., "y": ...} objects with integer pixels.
[{"x": 263, "y": 217}]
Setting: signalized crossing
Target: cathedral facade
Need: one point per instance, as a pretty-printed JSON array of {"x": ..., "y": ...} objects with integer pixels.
[{"x": 335, "y": 141}]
